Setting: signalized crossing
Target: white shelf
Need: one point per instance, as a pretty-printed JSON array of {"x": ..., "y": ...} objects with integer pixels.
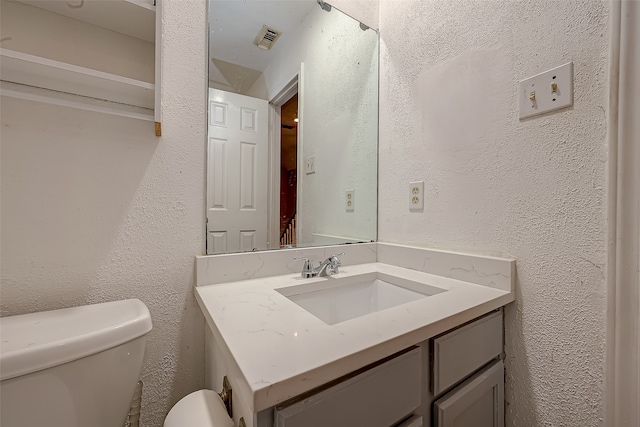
[
  {"x": 135, "y": 18},
  {"x": 30, "y": 93},
  {"x": 27, "y": 76},
  {"x": 30, "y": 70}
]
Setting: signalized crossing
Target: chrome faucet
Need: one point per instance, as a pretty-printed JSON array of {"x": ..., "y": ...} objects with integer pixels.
[{"x": 327, "y": 267}]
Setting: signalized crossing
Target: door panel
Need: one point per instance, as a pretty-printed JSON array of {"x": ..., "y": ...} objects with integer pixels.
[
  {"x": 248, "y": 165},
  {"x": 217, "y": 184},
  {"x": 216, "y": 242},
  {"x": 237, "y": 173},
  {"x": 247, "y": 240}
]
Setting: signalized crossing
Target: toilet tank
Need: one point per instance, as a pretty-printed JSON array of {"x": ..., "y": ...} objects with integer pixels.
[{"x": 72, "y": 367}]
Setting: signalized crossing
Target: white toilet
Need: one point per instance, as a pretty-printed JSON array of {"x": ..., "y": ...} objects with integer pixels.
[
  {"x": 75, "y": 367},
  {"x": 202, "y": 408}
]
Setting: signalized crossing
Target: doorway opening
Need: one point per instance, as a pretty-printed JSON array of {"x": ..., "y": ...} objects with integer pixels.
[{"x": 288, "y": 171}]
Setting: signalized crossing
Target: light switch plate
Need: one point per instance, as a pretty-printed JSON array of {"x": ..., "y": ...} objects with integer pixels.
[
  {"x": 310, "y": 165},
  {"x": 350, "y": 200},
  {"x": 548, "y": 91},
  {"x": 416, "y": 196}
]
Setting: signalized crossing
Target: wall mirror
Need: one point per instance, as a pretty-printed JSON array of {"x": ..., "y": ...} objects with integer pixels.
[{"x": 292, "y": 126}]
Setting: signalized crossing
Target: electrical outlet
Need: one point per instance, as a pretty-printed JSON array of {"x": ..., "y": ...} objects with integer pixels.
[
  {"x": 310, "y": 165},
  {"x": 350, "y": 200},
  {"x": 416, "y": 196}
]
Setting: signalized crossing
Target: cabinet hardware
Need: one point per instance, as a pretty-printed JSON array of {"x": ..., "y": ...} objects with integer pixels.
[{"x": 226, "y": 394}]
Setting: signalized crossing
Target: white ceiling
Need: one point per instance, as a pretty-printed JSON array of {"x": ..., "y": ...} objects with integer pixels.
[{"x": 234, "y": 24}]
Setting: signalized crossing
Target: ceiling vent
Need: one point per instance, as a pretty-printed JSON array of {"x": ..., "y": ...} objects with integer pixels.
[{"x": 266, "y": 38}]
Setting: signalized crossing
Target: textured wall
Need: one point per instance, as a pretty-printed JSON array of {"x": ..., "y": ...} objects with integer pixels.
[
  {"x": 339, "y": 113},
  {"x": 533, "y": 189},
  {"x": 365, "y": 11},
  {"x": 95, "y": 208},
  {"x": 283, "y": 68}
]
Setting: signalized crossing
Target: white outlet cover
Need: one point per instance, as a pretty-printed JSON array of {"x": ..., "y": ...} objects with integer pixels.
[
  {"x": 545, "y": 98},
  {"x": 310, "y": 165},
  {"x": 350, "y": 200},
  {"x": 416, "y": 196}
]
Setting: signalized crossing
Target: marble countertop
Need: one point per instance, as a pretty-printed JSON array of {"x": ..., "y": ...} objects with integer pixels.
[{"x": 281, "y": 350}]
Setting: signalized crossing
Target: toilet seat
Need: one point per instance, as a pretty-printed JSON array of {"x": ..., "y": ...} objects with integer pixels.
[{"x": 202, "y": 408}]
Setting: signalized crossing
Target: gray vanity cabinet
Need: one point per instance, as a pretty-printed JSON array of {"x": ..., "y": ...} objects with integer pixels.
[
  {"x": 381, "y": 396},
  {"x": 478, "y": 402},
  {"x": 459, "y": 353},
  {"x": 467, "y": 375},
  {"x": 455, "y": 379}
]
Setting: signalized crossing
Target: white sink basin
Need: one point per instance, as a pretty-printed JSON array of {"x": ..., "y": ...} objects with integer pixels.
[{"x": 336, "y": 300}]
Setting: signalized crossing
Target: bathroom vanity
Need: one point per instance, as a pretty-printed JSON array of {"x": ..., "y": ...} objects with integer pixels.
[{"x": 399, "y": 337}]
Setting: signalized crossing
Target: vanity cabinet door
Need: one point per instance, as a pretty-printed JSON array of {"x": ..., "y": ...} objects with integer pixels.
[
  {"x": 478, "y": 402},
  {"x": 461, "y": 352},
  {"x": 379, "y": 397}
]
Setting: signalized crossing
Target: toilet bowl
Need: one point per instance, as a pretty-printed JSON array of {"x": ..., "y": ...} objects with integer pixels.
[
  {"x": 202, "y": 408},
  {"x": 74, "y": 367}
]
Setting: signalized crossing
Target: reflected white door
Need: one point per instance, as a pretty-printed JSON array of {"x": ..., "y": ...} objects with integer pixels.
[{"x": 237, "y": 173}]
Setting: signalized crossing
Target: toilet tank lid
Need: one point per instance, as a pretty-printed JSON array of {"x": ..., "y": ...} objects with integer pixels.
[{"x": 36, "y": 341}]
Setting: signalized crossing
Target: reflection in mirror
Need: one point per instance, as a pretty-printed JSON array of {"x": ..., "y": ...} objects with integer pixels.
[{"x": 292, "y": 126}]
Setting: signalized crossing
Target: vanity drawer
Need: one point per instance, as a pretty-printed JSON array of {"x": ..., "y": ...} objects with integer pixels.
[
  {"x": 379, "y": 397},
  {"x": 461, "y": 352},
  {"x": 478, "y": 402}
]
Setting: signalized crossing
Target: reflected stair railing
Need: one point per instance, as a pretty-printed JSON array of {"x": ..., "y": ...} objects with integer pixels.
[{"x": 288, "y": 236}]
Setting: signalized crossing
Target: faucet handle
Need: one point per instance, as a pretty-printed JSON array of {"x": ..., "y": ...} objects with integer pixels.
[
  {"x": 334, "y": 263},
  {"x": 307, "y": 269},
  {"x": 336, "y": 257}
]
